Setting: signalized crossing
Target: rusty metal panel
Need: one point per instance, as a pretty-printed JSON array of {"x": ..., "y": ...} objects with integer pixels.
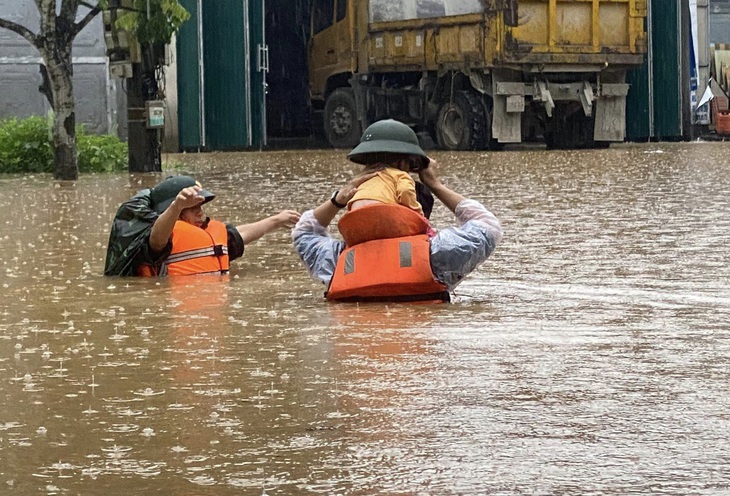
[
  {"x": 401, "y": 47},
  {"x": 612, "y": 25},
  {"x": 609, "y": 28},
  {"x": 427, "y": 46},
  {"x": 460, "y": 43},
  {"x": 532, "y": 28},
  {"x": 476, "y": 34},
  {"x": 573, "y": 23}
]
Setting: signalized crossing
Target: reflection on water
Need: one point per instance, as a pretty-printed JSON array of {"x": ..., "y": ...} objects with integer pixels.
[{"x": 589, "y": 355}]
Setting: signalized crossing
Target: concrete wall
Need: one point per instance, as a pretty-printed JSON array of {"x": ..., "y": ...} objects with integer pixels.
[
  {"x": 719, "y": 21},
  {"x": 170, "y": 141},
  {"x": 719, "y": 27},
  {"x": 100, "y": 101}
]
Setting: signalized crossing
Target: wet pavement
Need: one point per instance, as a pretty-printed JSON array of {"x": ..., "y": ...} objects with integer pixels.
[{"x": 589, "y": 355}]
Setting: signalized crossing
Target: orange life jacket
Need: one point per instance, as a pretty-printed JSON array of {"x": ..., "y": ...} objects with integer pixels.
[
  {"x": 387, "y": 258},
  {"x": 380, "y": 221},
  {"x": 195, "y": 251}
]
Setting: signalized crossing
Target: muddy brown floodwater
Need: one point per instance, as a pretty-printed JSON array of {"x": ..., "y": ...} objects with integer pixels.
[{"x": 589, "y": 355}]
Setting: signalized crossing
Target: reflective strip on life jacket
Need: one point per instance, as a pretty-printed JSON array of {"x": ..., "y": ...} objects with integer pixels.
[
  {"x": 394, "y": 269},
  {"x": 198, "y": 251},
  {"x": 210, "y": 251}
]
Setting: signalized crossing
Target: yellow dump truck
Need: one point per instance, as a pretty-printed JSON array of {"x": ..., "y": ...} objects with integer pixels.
[{"x": 476, "y": 74}]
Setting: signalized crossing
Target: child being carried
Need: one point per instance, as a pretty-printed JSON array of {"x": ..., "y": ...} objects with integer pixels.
[{"x": 392, "y": 184}]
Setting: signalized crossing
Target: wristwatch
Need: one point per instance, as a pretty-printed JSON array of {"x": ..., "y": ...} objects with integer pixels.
[{"x": 334, "y": 200}]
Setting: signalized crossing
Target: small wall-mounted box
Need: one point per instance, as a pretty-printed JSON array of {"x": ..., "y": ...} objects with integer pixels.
[{"x": 155, "y": 112}]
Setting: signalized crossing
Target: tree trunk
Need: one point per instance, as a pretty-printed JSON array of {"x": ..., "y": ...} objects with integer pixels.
[
  {"x": 64, "y": 121},
  {"x": 54, "y": 41}
]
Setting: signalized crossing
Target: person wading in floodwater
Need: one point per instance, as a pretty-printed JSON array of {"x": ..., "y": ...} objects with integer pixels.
[
  {"x": 163, "y": 231},
  {"x": 388, "y": 252}
]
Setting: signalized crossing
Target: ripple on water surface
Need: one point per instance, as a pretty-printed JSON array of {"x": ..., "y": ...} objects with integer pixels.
[{"x": 587, "y": 356}]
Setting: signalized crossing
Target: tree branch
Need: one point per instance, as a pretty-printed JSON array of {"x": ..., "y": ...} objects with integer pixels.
[
  {"x": 68, "y": 10},
  {"x": 21, "y": 30},
  {"x": 86, "y": 20}
]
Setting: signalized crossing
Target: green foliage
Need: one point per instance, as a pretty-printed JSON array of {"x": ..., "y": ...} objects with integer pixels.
[
  {"x": 101, "y": 153},
  {"x": 164, "y": 19},
  {"x": 26, "y": 145}
]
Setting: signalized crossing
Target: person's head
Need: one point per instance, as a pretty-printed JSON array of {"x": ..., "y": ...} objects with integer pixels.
[
  {"x": 163, "y": 194},
  {"x": 193, "y": 215},
  {"x": 392, "y": 143}
]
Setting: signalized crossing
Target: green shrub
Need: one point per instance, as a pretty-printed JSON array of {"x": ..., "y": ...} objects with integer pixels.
[
  {"x": 101, "y": 153},
  {"x": 26, "y": 145}
]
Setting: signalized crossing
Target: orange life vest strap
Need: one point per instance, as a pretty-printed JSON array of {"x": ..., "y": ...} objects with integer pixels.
[
  {"x": 208, "y": 251},
  {"x": 393, "y": 269},
  {"x": 380, "y": 221}
]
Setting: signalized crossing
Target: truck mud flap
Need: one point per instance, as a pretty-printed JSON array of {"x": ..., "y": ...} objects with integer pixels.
[
  {"x": 509, "y": 104},
  {"x": 610, "y": 122}
]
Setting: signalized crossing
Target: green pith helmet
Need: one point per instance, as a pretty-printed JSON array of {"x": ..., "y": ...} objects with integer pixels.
[
  {"x": 164, "y": 193},
  {"x": 387, "y": 136}
]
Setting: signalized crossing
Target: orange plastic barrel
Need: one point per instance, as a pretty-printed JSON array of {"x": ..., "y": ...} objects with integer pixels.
[{"x": 723, "y": 123}]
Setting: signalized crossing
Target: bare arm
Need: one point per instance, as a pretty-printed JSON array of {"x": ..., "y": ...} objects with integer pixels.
[
  {"x": 162, "y": 228},
  {"x": 430, "y": 178},
  {"x": 327, "y": 211},
  {"x": 256, "y": 230}
]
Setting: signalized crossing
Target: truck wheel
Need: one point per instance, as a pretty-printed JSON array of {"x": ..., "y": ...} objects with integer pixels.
[
  {"x": 462, "y": 123},
  {"x": 341, "y": 125},
  {"x": 489, "y": 142}
]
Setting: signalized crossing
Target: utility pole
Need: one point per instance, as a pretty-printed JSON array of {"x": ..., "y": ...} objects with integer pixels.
[
  {"x": 145, "y": 112},
  {"x": 139, "y": 65}
]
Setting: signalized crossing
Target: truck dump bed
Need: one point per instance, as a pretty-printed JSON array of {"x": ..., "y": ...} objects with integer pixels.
[
  {"x": 573, "y": 31},
  {"x": 478, "y": 73},
  {"x": 444, "y": 34}
]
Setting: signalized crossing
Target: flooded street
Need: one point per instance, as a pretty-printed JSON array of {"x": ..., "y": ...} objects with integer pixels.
[{"x": 589, "y": 355}]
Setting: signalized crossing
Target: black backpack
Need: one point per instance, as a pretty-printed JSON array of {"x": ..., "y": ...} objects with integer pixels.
[{"x": 129, "y": 238}]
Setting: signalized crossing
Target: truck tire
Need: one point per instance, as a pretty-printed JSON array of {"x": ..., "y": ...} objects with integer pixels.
[
  {"x": 462, "y": 123},
  {"x": 489, "y": 142},
  {"x": 341, "y": 126}
]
